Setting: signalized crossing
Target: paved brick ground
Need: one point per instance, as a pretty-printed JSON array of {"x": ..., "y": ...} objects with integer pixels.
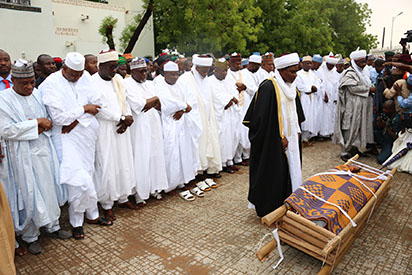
[{"x": 218, "y": 235}]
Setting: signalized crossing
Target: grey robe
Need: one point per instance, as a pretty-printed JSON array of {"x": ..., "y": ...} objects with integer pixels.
[
  {"x": 354, "y": 120},
  {"x": 32, "y": 184}
]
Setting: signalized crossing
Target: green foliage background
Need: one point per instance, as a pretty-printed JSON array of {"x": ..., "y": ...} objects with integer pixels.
[{"x": 280, "y": 26}]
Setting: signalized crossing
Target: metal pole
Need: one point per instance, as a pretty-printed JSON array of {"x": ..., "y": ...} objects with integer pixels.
[
  {"x": 383, "y": 38},
  {"x": 393, "y": 19}
]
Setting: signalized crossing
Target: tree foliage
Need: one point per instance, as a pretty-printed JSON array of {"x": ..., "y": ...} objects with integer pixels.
[
  {"x": 314, "y": 26},
  {"x": 106, "y": 30},
  {"x": 216, "y": 26},
  {"x": 280, "y": 26}
]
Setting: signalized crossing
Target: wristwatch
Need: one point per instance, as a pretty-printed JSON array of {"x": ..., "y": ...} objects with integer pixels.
[{"x": 122, "y": 118}]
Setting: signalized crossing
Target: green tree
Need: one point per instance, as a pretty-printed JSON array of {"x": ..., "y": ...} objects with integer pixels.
[
  {"x": 294, "y": 25},
  {"x": 216, "y": 26},
  {"x": 349, "y": 20},
  {"x": 313, "y": 26}
]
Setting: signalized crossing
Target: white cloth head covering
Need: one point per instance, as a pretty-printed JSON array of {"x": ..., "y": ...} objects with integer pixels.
[
  {"x": 194, "y": 57},
  {"x": 254, "y": 58},
  {"x": 137, "y": 63},
  {"x": 75, "y": 61},
  {"x": 287, "y": 61},
  {"x": 332, "y": 60},
  {"x": 204, "y": 61},
  {"x": 104, "y": 57},
  {"x": 358, "y": 54},
  {"x": 170, "y": 66}
]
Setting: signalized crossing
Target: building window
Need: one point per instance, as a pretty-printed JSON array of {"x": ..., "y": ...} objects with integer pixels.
[
  {"x": 21, "y": 5},
  {"x": 18, "y": 2},
  {"x": 99, "y": 1}
]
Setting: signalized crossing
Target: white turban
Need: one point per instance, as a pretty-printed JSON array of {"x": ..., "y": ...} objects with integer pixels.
[
  {"x": 287, "y": 61},
  {"x": 104, "y": 57},
  {"x": 255, "y": 59},
  {"x": 202, "y": 61},
  {"x": 358, "y": 54},
  {"x": 332, "y": 60},
  {"x": 170, "y": 66},
  {"x": 75, "y": 61}
]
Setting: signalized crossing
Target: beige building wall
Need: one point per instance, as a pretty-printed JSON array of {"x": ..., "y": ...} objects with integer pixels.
[{"x": 69, "y": 25}]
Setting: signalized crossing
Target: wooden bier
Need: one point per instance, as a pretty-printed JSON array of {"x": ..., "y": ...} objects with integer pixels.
[{"x": 315, "y": 240}]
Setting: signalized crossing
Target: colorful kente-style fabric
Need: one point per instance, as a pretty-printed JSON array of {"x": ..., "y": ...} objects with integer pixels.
[{"x": 342, "y": 190}]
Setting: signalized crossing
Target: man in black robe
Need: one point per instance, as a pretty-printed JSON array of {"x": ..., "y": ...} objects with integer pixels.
[{"x": 270, "y": 177}]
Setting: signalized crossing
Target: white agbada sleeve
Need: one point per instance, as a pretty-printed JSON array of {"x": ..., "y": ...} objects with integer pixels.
[
  {"x": 250, "y": 82},
  {"x": 60, "y": 114},
  {"x": 169, "y": 104},
  {"x": 135, "y": 99},
  {"x": 25, "y": 130},
  {"x": 303, "y": 85}
]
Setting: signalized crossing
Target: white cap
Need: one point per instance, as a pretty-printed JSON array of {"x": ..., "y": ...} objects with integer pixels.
[
  {"x": 75, "y": 61},
  {"x": 137, "y": 63},
  {"x": 287, "y": 61},
  {"x": 358, "y": 54},
  {"x": 254, "y": 58},
  {"x": 204, "y": 61},
  {"x": 170, "y": 66},
  {"x": 104, "y": 57}
]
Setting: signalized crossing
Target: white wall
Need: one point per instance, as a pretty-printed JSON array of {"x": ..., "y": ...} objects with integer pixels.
[{"x": 59, "y": 29}]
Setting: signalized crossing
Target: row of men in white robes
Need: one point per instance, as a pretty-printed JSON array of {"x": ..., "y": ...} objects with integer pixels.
[
  {"x": 100, "y": 138},
  {"x": 319, "y": 94}
]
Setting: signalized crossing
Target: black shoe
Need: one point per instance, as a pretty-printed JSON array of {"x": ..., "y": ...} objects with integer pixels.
[
  {"x": 60, "y": 234},
  {"x": 34, "y": 247}
]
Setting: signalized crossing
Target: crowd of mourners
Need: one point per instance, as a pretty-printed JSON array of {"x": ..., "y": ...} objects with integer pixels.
[{"x": 106, "y": 130}]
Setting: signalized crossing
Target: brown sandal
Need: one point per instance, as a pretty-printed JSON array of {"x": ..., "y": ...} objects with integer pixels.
[{"x": 78, "y": 233}]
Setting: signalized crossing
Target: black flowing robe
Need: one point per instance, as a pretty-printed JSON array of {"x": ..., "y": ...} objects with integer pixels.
[{"x": 269, "y": 179}]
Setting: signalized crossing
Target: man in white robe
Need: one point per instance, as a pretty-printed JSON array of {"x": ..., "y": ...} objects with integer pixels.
[
  {"x": 73, "y": 103},
  {"x": 146, "y": 133},
  {"x": 245, "y": 82},
  {"x": 285, "y": 76},
  {"x": 225, "y": 102},
  {"x": 33, "y": 188},
  {"x": 329, "y": 93},
  {"x": 308, "y": 85},
  {"x": 115, "y": 174},
  {"x": 181, "y": 128},
  {"x": 209, "y": 148}
]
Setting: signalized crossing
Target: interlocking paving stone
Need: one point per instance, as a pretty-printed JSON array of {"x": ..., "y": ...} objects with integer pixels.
[{"x": 217, "y": 234}]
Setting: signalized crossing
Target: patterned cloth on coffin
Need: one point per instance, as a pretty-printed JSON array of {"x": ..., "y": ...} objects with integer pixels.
[{"x": 343, "y": 190}]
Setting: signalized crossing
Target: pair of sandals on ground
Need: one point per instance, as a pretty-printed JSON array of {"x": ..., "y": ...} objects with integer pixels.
[{"x": 199, "y": 190}]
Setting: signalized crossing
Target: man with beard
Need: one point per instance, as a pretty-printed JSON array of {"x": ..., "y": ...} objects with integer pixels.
[
  {"x": 354, "y": 121},
  {"x": 73, "y": 103},
  {"x": 115, "y": 174},
  {"x": 274, "y": 130},
  {"x": 146, "y": 133}
]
